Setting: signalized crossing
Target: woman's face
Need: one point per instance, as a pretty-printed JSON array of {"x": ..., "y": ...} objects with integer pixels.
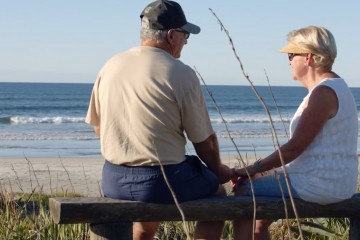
[{"x": 299, "y": 65}]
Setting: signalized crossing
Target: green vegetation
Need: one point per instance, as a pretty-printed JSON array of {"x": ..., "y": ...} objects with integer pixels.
[{"x": 26, "y": 216}]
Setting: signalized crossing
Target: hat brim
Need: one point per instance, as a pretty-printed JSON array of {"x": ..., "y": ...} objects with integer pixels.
[
  {"x": 292, "y": 48},
  {"x": 191, "y": 28}
]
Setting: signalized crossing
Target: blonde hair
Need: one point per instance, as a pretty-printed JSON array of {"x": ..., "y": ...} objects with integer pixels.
[{"x": 316, "y": 40}]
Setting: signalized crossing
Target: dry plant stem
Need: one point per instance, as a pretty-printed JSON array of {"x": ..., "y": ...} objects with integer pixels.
[
  {"x": 186, "y": 229},
  {"x": 283, "y": 198},
  {"x": 277, "y": 106},
  {"x": 33, "y": 171},
  {"x": 26, "y": 212},
  {"x": 18, "y": 182},
  {"x": 99, "y": 187},
  {"x": 18, "y": 219},
  {"x": 269, "y": 115},
  {"x": 30, "y": 178},
  {"x": 232, "y": 140},
  {"x": 49, "y": 179},
  {"x": 86, "y": 182},
  {"x": 176, "y": 202},
  {"x": 57, "y": 182},
  {"x": 274, "y": 137},
  {"x": 256, "y": 157},
  {"x": 221, "y": 116},
  {"x": 67, "y": 173}
]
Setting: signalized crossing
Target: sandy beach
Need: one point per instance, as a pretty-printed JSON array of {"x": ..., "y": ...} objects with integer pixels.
[
  {"x": 52, "y": 175},
  {"x": 59, "y": 174}
]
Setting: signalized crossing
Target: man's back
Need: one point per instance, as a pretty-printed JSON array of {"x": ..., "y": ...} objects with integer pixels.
[
  {"x": 147, "y": 99},
  {"x": 142, "y": 105}
]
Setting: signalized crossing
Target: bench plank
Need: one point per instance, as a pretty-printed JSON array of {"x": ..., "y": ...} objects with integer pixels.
[{"x": 104, "y": 210}]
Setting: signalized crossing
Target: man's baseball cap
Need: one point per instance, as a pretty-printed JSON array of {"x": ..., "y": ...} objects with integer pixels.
[{"x": 165, "y": 15}]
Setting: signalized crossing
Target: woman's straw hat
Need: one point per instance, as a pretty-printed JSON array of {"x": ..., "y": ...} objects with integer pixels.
[{"x": 292, "y": 48}]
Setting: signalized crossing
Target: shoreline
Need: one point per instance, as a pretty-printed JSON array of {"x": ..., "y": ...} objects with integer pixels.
[{"x": 52, "y": 175}]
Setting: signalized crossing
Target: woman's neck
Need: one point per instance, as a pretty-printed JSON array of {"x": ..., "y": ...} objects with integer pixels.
[{"x": 314, "y": 78}]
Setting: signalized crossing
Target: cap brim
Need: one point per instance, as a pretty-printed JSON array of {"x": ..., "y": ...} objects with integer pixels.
[
  {"x": 191, "y": 28},
  {"x": 292, "y": 48}
]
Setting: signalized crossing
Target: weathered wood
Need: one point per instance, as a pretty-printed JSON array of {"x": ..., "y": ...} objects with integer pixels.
[{"x": 105, "y": 210}]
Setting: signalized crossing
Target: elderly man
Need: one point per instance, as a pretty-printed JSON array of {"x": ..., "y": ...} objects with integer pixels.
[{"x": 143, "y": 103}]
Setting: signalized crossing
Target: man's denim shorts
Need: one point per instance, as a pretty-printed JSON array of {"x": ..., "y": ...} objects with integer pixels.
[
  {"x": 271, "y": 185},
  {"x": 190, "y": 180}
]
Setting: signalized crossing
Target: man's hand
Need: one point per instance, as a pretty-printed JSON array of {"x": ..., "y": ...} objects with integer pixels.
[{"x": 225, "y": 173}]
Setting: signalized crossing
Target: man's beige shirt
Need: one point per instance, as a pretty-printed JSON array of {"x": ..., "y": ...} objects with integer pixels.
[{"x": 144, "y": 101}]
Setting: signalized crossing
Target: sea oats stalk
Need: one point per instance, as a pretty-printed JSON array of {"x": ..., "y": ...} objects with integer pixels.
[
  {"x": 236, "y": 147},
  {"x": 50, "y": 183},
  {"x": 270, "y": 118},
  {"x": 277, "y": 107},
  {"x": 186, "y": 229},
  {"x": 67, "y": 173},
  {"x": 86, "y": 182},
  {"x": 17, "y": 179}
]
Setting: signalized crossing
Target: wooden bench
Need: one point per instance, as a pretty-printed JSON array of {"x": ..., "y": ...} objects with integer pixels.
[{"x": 112, "y": 219}]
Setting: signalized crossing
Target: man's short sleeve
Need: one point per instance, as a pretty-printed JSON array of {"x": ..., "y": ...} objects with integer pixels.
[
  {"x": 195, "y": 116},
  {"x": 93, "y": 113}
]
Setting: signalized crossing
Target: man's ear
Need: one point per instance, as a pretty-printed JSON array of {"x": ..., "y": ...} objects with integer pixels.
[{"x": 170, "y": 35}]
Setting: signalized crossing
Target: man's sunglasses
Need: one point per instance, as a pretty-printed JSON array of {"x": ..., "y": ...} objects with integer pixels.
[{"x": 186, "y": 34}]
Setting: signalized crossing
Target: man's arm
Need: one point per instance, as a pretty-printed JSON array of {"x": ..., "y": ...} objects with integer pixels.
[
  {"x": 208, "y": 152},
  {"x": 97, "y": 130}
]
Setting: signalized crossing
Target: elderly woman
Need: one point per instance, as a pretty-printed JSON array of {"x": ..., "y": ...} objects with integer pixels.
[{"x": 321, "y": 156}]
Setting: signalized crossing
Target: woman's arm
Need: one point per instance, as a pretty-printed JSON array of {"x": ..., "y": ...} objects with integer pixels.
[{"x": 321, "y": 106}]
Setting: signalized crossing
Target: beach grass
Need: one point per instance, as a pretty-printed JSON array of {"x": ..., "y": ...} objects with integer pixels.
[{"x": 26, "y": 216}]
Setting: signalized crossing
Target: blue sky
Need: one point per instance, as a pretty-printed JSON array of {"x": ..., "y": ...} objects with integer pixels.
[{"x": 69, "y": 41}]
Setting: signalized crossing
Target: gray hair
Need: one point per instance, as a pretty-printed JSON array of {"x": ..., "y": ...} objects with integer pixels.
[
  {"x": 146, "y": 33},
  {"x": 318, "y": 41}
]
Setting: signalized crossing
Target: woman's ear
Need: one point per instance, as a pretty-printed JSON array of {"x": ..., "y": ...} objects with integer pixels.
[{"x": 309, "y": 59}]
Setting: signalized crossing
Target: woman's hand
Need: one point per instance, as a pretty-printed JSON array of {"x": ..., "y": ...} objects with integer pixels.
[
  {"x": 245, "y": 172},
  {"x": 240, "y": 177}
]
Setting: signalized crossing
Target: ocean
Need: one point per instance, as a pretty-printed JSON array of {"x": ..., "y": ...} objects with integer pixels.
[{"x": 47, "y": 119}]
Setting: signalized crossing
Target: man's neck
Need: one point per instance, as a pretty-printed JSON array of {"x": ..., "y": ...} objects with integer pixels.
[{"x": 162, "y": 46}]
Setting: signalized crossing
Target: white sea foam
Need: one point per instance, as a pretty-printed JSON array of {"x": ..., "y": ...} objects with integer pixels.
[
  {"x": 50, "y": 117},
  {"x": 37, "y": 120}
]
